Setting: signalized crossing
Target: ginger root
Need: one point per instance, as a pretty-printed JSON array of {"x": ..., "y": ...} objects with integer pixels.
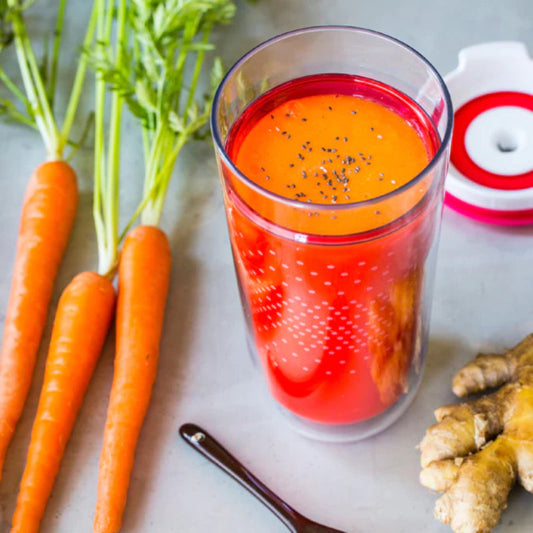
[{"x": 477, "y": 450}]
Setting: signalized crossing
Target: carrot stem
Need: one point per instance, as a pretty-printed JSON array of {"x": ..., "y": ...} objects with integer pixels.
[
  {"x": 40, "y": 96},
  {"x": 77, "y": 86},
  {"x": 35, "y": 103},
  {"x": 58, "y": 34},
  {"x": 40, "y": 91},
  {"x": 112, "y": 193},
  {"x": 17, "y": 93},
  {"x": 107, "y": 164}
]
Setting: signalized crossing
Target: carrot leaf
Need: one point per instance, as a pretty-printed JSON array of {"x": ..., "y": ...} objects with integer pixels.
[
  {"x": 159, "y": 80},
  {"x": 38, "y": 89},
  {"x": 6, "y": 33}
]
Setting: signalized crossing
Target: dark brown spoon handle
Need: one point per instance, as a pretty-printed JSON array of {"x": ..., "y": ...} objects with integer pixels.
[{"x": 202, "y": 442}]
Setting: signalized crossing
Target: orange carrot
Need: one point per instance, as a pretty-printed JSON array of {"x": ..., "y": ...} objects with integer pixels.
[
  {"x": 47, "y": 216},
  {"x": 81, "y": 325},
  {"x": 144, "y": 272}
]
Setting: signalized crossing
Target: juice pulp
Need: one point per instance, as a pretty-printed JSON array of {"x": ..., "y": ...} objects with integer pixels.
[{"x": 335, "y": 306}]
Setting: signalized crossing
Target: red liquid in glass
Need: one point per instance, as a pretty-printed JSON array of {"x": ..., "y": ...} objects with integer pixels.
[{"x": 336, "y": 316}]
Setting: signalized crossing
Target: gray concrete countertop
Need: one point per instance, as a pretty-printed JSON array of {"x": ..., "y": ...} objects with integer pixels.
[{"x": 482, "y": 299}]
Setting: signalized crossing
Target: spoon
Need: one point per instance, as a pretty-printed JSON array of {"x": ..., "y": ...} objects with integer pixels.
[{"x": 203, "y": 443}]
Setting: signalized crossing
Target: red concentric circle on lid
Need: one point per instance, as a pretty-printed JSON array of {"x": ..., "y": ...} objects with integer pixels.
[
  {"x": 489, "y": 216},
  {"x": 459, "y": 154}
]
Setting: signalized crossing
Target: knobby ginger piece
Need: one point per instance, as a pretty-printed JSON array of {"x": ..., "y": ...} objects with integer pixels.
[{"x": 477, "y": 450}]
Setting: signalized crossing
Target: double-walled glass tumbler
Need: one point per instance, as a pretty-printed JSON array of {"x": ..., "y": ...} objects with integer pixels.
[{"x": 336, "y": 283}]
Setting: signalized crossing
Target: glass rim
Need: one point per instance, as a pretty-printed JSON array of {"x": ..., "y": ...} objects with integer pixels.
[{"x": 220, "y": 145}]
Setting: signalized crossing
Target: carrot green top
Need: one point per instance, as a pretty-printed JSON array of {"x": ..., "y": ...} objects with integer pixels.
[
  {"x": 33, "y": 105},
  {"x": 160, "y": 78}
]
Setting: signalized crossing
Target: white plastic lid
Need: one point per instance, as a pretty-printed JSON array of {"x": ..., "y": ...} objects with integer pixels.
[{"x": 491, "y": 169}]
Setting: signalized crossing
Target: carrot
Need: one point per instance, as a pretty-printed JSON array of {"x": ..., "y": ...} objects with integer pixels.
[
  {"x": 144, "y": 272},
  {"x": 81, "y": 324},
  {"x": 47, "y": 217},
  {"x": 85, "y": 309},
  {"x": 171, "y": 109}
]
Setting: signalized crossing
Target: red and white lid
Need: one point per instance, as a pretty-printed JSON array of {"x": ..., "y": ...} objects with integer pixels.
[{"x": 491, "y": 168}]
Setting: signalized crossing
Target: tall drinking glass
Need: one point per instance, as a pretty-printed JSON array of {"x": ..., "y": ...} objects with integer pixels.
[{"x": 333, "y": 145}]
